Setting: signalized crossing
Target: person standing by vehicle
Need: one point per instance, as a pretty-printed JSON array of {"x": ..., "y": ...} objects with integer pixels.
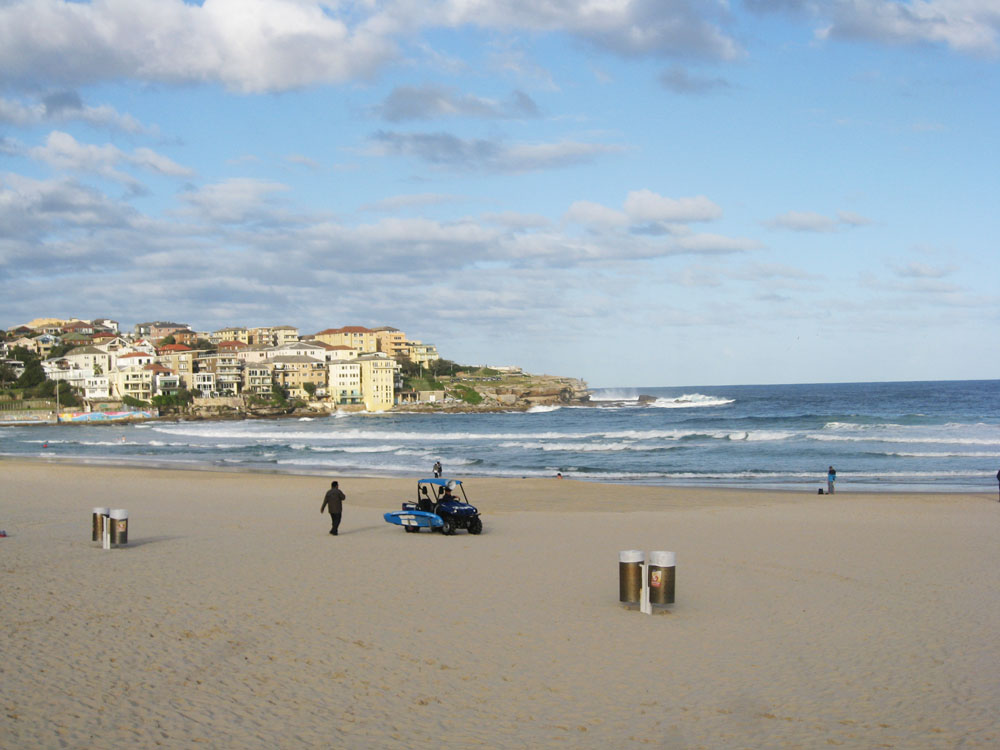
[
  {"x": 831, "y": 478},
  {"x": 334, "y": 500},
  {"x": 437, "y": 469}
]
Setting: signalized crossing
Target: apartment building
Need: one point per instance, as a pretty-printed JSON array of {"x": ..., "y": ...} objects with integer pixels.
[
  {"x": 390, "y": 341},
  {"x": 135, "y": 380},
  {"x": 181, "y": 360},
  {"x": 97, "y": 387},
  {"x": 253, "y": 355},
  {"x": 293, "y": 372},
  {"x": 344, "y": 382},
  {"x": 89, "y": 358},
  {"x": 233, "y": 333},
  {"x": 378, "y": 378},
  {"x": 226, "y": 367},
  {"x": 313, "y": 349},
  {"x": 257, "y": 378},
  {"x": 422, "y": 354},
  {"x": 272, "y": 335},
  {"x": 133, "y": 359},
  {"x": 204, "y": 382},
  {"x": 356, "y": 337},
  {"x": 159, "y": 329},
  {"x": 284, "y": 335}
]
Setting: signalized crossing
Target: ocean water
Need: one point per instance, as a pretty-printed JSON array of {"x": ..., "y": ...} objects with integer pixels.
[{"x": 930, "y": 436}]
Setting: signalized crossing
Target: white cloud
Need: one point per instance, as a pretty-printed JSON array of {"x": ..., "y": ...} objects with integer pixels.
[
  {"x": 810, "y": 221},
  {"x": 432, "y": 102},
  {"x": 595, "y": 215},
  {"x": 34, "y": 209},
  {"x": 916, "y": 270},
  {"x": 275, "y": 45},
  {"x": 487, "y": 154},
  {"x": 396, "y": 203},
  {"x": 235, "y": 200},
  {"x": 715, "y": 243},
  {"x": 247, "y": 45},
  {"x": 63, "y": 151},
  {"x": 645, "y": 205},
  {"x": 969, "y": 26}
]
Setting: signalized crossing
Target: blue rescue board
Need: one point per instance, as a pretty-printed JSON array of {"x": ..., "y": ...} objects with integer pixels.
[{"x": 414, "y": 518}]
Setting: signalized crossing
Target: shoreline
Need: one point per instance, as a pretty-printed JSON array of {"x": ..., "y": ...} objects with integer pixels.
[
  {"x": 618, "y": 490},
  {"x": 139, "y": 465}
]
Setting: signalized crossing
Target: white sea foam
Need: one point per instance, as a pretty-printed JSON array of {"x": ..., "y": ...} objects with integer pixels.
[
  {"x": 542, "y": 409},
  {"x": 277, "y": 434},
  {"x": 579, "y": 447},
  {"x": 690, "y": 401},
  {"x": 942, "y": 440},
  {"x": 946, "y": 454}
]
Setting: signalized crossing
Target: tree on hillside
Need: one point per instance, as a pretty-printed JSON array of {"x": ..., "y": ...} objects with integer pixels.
[
  {"x": 33, "y": 375},
  {"x": 60, "y": 350},
  {"x": 23, "y": 355},
  {"x": 442, "y": 367},
  {"x": 7, "y": 374},
  {"x": 67, "y": 394}
]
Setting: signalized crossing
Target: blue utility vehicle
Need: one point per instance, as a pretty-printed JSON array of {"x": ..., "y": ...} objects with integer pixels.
[{"x": 441, "y": 504}]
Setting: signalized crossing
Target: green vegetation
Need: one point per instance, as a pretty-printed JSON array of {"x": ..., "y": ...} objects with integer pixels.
[
  {"x": 466, "y": 394},
  {"x": 174, "y": 401}
]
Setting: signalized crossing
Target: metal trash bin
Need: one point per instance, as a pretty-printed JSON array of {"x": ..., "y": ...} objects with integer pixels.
[
  {"x": 119, "y": 526},
  {"x": 630, "y": 575},
  {"x": 96, "y": 523},
  {"x": 662, "y": 576}
]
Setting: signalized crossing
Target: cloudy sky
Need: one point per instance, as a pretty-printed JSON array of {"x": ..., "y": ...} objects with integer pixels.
[{"x": 636, "y": 192}]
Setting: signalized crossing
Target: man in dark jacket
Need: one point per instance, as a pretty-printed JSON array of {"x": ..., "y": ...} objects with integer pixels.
[{"x": 333, "y": 500}]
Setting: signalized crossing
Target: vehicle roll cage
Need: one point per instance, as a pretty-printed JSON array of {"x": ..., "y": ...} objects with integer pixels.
[{"x": 440, "y": 484}]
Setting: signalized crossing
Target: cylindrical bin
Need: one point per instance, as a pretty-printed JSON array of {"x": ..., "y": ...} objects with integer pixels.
[
  {"x": 662, "y": 567},
  {"x": 96, "y": 523},
  {"x": 119, "y": 526},
  {"x": 630, "y": 575}
]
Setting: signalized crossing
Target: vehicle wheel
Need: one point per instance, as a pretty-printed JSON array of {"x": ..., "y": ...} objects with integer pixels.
[
  {"x": 476, "y": 526},
  {"x": 448, "y": 527},
  {"x": 411, "y": 529}
]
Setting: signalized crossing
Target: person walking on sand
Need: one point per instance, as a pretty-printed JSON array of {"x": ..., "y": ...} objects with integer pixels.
[
  {"x": 437, "y": 469},
  {"x": 831, "y": 478},
  {"x": 333, "y": 500}
]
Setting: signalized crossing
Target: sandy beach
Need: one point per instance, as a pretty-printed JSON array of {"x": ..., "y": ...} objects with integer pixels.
[{"x": 233, "y": 619}]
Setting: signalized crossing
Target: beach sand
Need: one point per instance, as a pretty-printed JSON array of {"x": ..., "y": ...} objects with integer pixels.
[{"x": 233, "y": 619}]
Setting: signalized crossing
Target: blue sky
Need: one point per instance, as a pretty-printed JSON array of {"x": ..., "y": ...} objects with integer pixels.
[{"x": 633, "y": 192}]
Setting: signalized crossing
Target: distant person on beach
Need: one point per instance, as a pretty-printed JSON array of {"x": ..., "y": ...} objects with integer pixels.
[
  {"x": 998, "y": 480},
  {"x": 437, "y": 469},
  {"x": 831, "y": 479},
  {"x": 334, "y": 500}
]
